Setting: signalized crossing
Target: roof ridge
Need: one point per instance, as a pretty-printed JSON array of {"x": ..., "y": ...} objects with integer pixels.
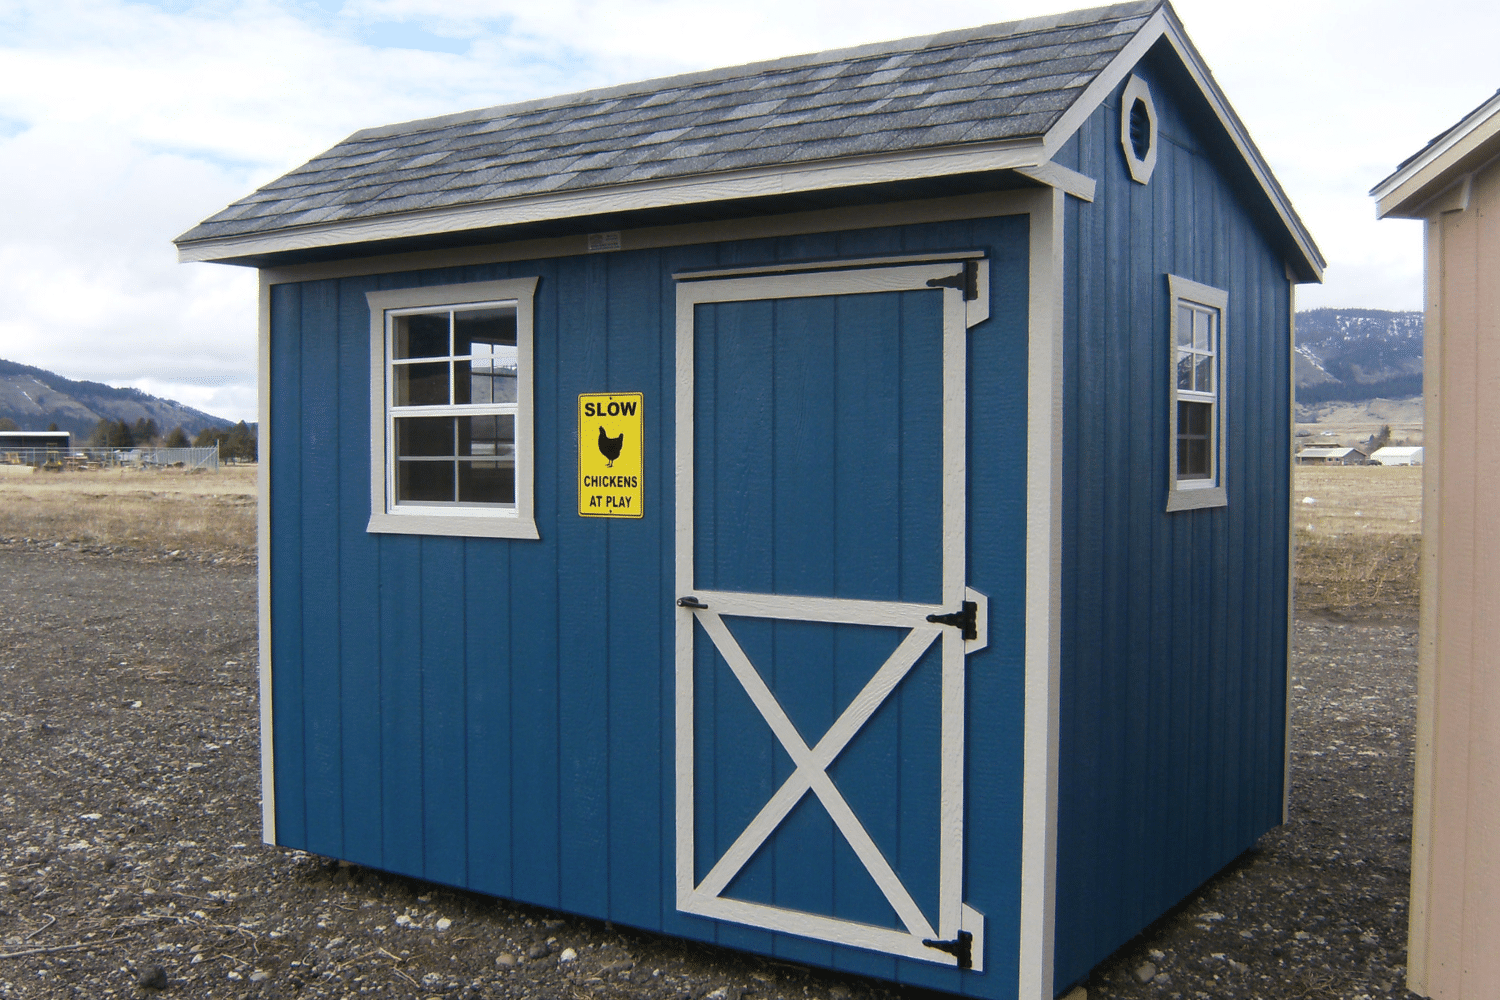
[{"x": 947, "y": 39}]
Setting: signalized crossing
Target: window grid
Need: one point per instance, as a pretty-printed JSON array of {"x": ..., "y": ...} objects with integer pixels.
[
  {"x": 1197, "y": 390},
  {"x": 1196, "y": 405},
  {"x": 469, "y": 460}
]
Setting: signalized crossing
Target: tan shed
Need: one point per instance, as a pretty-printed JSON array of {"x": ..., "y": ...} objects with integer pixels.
[{"x": 1454, "y": 185}]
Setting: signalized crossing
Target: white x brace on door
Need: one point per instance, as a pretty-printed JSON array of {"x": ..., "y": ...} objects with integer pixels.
[{"x": 957, "y": 625}]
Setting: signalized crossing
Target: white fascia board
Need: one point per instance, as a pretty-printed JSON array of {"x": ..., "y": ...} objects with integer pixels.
[
  {"x": 1164, "y": 24},
  {"x": 695, "y": 190},
  {"x": 1406, "y": 193}
]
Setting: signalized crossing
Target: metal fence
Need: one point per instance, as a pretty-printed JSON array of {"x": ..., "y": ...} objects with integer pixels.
[{"x": 77, "y": 459}]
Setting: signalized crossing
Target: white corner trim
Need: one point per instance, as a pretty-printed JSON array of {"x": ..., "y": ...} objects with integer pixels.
[
  {"x": 693, "y": 190},
  {"x": 1080, "y": 186},
  {"x": 460, "y": 521},
  {"x": 1140, "y": 167},
  {"x": 263, "y": 562},
  {"x": 1043, "y": 602},
  {"x": 1423, "y": 963},
  {"x": 1291, "y": 544}
]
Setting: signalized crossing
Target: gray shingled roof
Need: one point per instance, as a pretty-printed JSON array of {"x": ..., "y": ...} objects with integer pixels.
[{"x": 1004, "y": 81}]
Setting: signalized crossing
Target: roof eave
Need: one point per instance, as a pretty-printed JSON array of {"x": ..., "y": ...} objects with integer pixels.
[
  {"x": 1309, "y": 262},
  {"x": 827, "y": 175},
  {"x": 1415, "y": 188}
]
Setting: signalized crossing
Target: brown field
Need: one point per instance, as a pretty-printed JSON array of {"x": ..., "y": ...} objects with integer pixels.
[
  {"x": 1357, "y": 544},
  {"x": 1358, "y": 541},
  {"x": 206, "y": 514}
]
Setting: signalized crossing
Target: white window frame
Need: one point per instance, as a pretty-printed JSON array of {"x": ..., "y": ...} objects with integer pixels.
[
  {"x": 1194, "y": 494},
  {"x": 470, "y": 520}
]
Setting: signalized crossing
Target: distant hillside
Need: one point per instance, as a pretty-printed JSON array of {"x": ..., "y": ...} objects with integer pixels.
[
  {"x": 34, "y": 398},
  {"x": 1350, "y": 355}
]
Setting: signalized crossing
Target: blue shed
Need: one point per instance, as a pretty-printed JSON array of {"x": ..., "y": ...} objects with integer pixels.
[{"x": 836, "y": 507}]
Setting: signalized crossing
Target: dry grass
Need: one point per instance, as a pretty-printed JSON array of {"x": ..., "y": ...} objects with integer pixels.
[
  {"x": 202, "y": 513},
  {"x": 1359, "y": 540},
  {"x": 1357, "y": 544}
]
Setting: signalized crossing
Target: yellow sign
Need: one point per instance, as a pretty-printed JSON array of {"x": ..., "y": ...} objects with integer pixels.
[{"x": 610, "y": 462}]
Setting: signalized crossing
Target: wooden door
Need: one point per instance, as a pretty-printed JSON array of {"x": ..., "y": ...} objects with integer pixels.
[{"x": 824, "y": 617}]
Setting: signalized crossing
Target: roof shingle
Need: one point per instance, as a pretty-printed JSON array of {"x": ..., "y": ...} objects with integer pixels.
[{"x": 1008, "y": 81}]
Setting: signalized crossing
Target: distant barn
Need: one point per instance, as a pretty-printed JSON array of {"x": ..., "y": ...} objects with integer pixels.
[
  {"x": 1397, "y": 456},
  {"x": 1331, "y": 456}
]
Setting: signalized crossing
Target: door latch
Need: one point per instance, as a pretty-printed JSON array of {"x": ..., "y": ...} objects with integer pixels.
[
  {"x": 961, "y": 948},
  {"x": 967, "y": 618},
  {"x": 690, "y": 602}
]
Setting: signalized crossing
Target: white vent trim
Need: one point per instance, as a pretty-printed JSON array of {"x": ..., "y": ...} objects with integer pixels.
[{"x": 1140, "y": 167}]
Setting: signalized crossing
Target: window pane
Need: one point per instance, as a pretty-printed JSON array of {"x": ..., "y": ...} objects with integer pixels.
[
  {"x": 488, "y": 437},
  {"x": 424, "y": 335},
  {"x": 486, "y": 482},
  {"x": 1212, "y": 320},
  {"x": 1194, "y": 440},
  {"x": 477, "y": 331},
  {"x": 489, "y": 335},
  {"x": 1192, "y": 459},
  {"x": 1184, "y": 326},
  {"x": 1192, "y": 419},
  {"x": 1200, "y": 330},
  {"x": 488, "y": 378},
  {"x": 420, "y": 384},
  {"x": 1203, "y": 378},
  {"x": 424, "y": 481},
  {"x": 1184, "y": 370},
  {"x": 420, "y": 437}
]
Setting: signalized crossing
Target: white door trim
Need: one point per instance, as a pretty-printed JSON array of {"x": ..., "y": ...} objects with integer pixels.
[{"x": 954, "y": 918}]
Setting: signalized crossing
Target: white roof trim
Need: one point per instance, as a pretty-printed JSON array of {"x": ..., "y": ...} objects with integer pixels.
[
  {"x": 696, "y": 189},
  {"x": 1405, "y": 192},
  {"x": 1029, "y": 157},
  {"x": 1164, "y": 23}
]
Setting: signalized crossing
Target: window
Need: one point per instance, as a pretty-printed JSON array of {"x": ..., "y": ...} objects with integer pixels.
[
  {"x": 450, "y": 410},
  {"x": 1196, "y": 415}
]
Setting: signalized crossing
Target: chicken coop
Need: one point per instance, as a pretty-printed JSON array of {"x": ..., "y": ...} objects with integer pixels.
[{"x": 835, "y": 508}]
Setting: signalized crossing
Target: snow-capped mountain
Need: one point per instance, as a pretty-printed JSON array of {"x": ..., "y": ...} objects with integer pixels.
[{"x": 1358, "y": 354}]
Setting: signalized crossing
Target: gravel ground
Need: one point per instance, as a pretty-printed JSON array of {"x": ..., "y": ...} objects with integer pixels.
[{"x": 130, "y": 860}]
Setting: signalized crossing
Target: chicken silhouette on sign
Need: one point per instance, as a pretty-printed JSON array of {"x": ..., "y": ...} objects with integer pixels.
[
  {"x": 609, "y": 473},
  {"x": 610, "y": 447}
]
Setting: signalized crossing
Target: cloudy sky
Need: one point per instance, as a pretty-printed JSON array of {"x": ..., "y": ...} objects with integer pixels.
[{"x": 123, "y": 124}]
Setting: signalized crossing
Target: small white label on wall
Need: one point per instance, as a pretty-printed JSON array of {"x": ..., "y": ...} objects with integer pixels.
[{"x": 603, "y": 242}]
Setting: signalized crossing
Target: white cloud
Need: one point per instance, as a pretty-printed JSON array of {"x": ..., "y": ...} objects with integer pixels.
[{"x": 123, "y": 124}]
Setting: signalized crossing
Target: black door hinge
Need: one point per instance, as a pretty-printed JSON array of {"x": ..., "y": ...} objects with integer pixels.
[
  {"x": 966, "y": 281},
  {"x": 961, "y": 948},
  {"x": 967, "y": 619}
]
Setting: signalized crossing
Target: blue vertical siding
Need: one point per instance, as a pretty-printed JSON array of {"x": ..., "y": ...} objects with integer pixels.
[
  {"x": 498, "y": 714},
  {"x": 359, "y": 591},
  {"x": 1174, "y": 625}
]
